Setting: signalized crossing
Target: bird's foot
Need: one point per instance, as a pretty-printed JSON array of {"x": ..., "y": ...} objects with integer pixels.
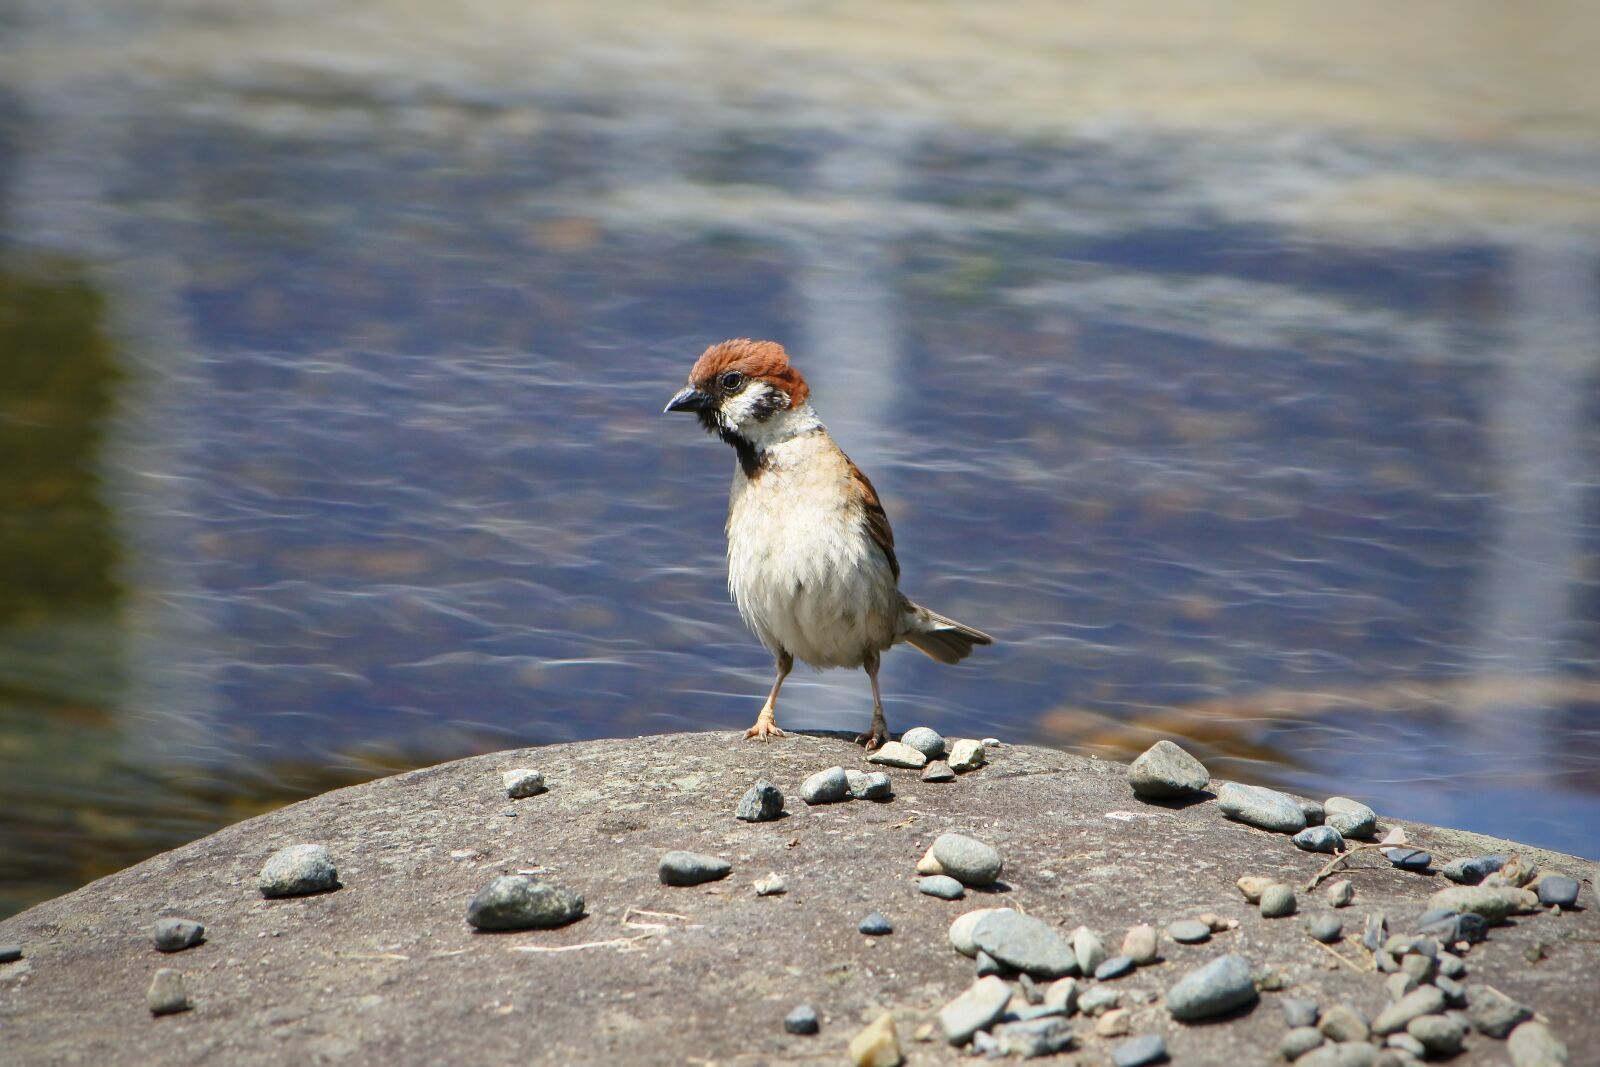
[
  {"x": 874, "y": 738},
  {"x": 766, "y": 726}
]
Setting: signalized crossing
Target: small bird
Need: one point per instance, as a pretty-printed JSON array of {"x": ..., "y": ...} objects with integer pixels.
[{"x": 811, "y": 560}]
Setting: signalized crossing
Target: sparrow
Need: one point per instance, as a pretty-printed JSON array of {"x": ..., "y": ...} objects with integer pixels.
[{"x": 811, "y": 560}]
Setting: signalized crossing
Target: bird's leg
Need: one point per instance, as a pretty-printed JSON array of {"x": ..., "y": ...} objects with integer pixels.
[
  {"x": 879, "y": 734},
  {"x": 766, "y": 722}
]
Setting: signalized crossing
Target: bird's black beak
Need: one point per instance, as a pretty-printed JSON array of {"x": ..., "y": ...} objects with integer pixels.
[{"x": 688, "y": 399}]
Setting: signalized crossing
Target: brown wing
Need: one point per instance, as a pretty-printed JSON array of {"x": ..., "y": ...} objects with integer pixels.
[{"x": 877, "y": 519}]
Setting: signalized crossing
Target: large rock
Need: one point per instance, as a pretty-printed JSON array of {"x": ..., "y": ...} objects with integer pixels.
[
  {"x": 1220, "y": 986},
  {"x": 1025, "y": 944},
  {"x": 1261, "y": 807},
  {"x": 522, "y": 902},
  {"x": 1167, "y": 772}
]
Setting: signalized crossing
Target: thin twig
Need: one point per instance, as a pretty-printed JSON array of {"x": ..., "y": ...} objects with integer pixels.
[
  {"x": 1338, "y": 860},
  {"x": 1329, "y": 949},
  {"x": 615, "y": 942}
]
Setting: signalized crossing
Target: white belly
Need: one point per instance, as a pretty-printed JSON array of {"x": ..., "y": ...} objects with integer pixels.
[{"x": 806, "y": 575}]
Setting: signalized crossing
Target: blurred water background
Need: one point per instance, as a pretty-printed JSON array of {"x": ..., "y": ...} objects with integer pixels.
[{"x": 1234, "y": 364}]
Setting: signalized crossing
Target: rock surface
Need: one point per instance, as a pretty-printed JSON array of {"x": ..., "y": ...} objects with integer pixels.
[{"x": 386, "y": 971}]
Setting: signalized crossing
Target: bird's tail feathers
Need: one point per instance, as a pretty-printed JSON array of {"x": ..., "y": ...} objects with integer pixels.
[{"x": 938, "y": 637}]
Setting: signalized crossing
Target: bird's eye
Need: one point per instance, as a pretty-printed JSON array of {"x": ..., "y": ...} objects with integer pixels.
[{"x": 732, "y": 380}]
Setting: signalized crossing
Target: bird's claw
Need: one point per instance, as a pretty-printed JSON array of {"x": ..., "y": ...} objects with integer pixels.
[
  {"x": 874, "y": 739},
  {"x": 763, "y": 729}
]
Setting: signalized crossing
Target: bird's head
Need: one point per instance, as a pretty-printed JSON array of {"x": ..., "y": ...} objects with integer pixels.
[{"x": 742, "y": 389}]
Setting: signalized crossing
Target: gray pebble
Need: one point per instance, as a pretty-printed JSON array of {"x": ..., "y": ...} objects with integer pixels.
[
  {"x": 1257, "y": 806},
  {"x": 802, "y": 1020},
  {"x": 1298, "y": 1011},
  {"x": 966, "y": 859},
  {"x": 942, "y": 886},
  {"x": 826, "y": 787},
  {"x": 1350, "y": 817},
  {"x": 509, "y": 813},
  {"x": 1406, "y": 1043},
  {"x": 522, "y": 783},
  {"x": 1219, "y": 986},
  {"x": 1418, "y": 967},
  {"x": 175, "y": 935},
  {"x": 691, "y": 868},
  {"x": 898, "y": 754},
  {"x": 1455, "y": 994},
  {"x": 298, "y": 870},
  {"x": 1399, "y": 985},
  {"x": 1114, "y": 967},
  {"x": 1452, "y": 926},
  {"x": 1277, "y": 901},
  {"x": 1439, "y": 1034},
  {"x": 1313, "y": 811},
  {"x": 874, "y": 786},
  {"x": 1467, "y": 870},
  {"x": 1030, "y": 1038},
  {"x": 772, "y": 885},
  {"x": 1024, "y": 943},
  {"x": 762, "y": 802},
  {"x": 1341, "y": 1054},
  {"x": 1532, "y": 1044},
  {"x": 1452, "y": 966},
  {"x": 1493, "y": 1013},
  {"x": 1299, "y": 1041},
  {"x": 1138, "y": 1051},
  {"x": 1088, "y": 949},
  {"x": 1376, "y": 932},
  {"x": 1166, "y": 772},
  {"x": 1325, "y": 928},
  {"x": 167, "y": 995},
  {"x": 938, "y": 771},
  {"x": 1140, "y": 944},
  {"x": 963, "y": 925},
  {"x": 1340, "y": 894},
  {"x": 522, "y": 902},
  {"x": 1319, "y": 839},
  {"x": 976, "y": 1009},
  {"x": 1189, "y": 931},
  {"x": 924, "y": 740},
  {"x": 1425, "y": 1000},
  {"x": 1099, "y": 999},
  {"x": 966, "y": 756},
  {"x": 10, "y": 953},
  {"x": 875, "y": 925},
  {"x": 1344, "y": 1023},
  {"x": 1062, "y": 995},
  {"x": 988, "y": 965},
  {"x": 1408, "y": 859},
  {"x": 1558, "y": 890}
]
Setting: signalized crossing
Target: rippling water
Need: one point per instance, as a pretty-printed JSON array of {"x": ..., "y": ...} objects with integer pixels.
[{"x": 337, "y": 446}]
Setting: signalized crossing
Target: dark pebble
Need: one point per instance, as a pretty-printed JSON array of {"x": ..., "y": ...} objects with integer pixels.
[
  {"x": 1558, "y": 889},
  {"x": 1450, "y": 927},
  {"x": 762, "y": 802},
  {"x": 521, "y": 902},
  {"x": 802, "y": 1020},
  {"x": 1115, "y": 967},
  {"x": 1138, "y": 1051},
  {"x": 688, "y": 868},
  {"x": 875, "y": 925},
  {"x": 10, "y": 953},
  {"x": 175, "y": 935},
  {"x": 1189, "y": 931},
  {"x": 1319, "y": 839},
  {"x": 1408, "y": 859}
]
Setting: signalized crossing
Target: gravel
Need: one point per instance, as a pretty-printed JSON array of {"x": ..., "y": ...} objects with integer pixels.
[
  {"x": 522, "y": 902},
  {"x": 1024, "y": 943},
  {"x": 1277, "y": 901},
  {"x": 1350, "y": 817},
  {"x": 899, "y": 754},
  {"x": 1089, "y": 950},
  {"x": 1343, "y": 1023},
  {"x": 938, "y": 771},
  {"x": 175, "y": 935},
  {"x": 1257, "y": 806},
  {"x": 522, "y": 782},
  {"x": 942, "y": 886},
  {"x": 1138, "y": 1051},
  {"x": 1189, "y": 932},
  {"x": 1298, "y": 1011},
  {"x": 1325, "y": 928},
  {"x": 167, "y": 994},
  {"x": 826, "y": 787},
  {"x": 1167, "y": 772},
  {"x": 298, "y": 871},
  {"x": 1493, "y": 1013},
  {"x": 1319, "y": 839},
  {"x": 966, "y": 859},
  {"x": 924, "y": 740},
  {"x": 691, "y": 868},
  {"x": 1534, "y": 1045},
  {"x": 1114, "y": 967},
  {"x": 1220, "y": 986},
  {"x": 1062, "y": 995},
  {"x": 762, "y": 802},
  {"x": 1558, "y": 890},
  {"x": 976, "y": 1009},
  {"x": 967, "y": 756},
  {"x": 1425, "y": 1000},
  {"x": 802, "y": 1020},
  {"x": 875, "y": 925},
  {"x": 1141, "y": 944},
  {"x": 1299, "y": 1041}
]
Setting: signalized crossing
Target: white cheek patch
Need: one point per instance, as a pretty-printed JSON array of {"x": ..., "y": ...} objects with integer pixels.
[{"x": 738, "y": 412}]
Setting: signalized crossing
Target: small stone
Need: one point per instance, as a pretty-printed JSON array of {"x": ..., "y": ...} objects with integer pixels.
[
  {"x": 967, "y": 756},
  {"x": 1387, "y": 964},
  {"x": 1350, "y": 817},
  {"x": 1299, "y": 1041},
  {"x": 297, "y": 871},
  {"x": 961, "y": 930},
  {"x": 987, "y": 965},
  {"x": 1406, "y": 1043},
  {"x": 1376, "y": 933},
  {"x": 1114, "y": 967},
  {"x": 1418, "y": 967},
  {"x": 1469, "y": 870},
  {"x": 1325, "y": 928},
  {"x": 966, "y": 859},
  {"x": 1455, "y": 994},
  {"x": 1220, "y": 986},
  {"x": 175, "y": 935},
  {"x": 1138, "y": 1051},
  {"x": 521, "y": 902},
  {"x": 1062, "y": 995},
  {"x": 802, "y": 1020},
  {"x": 10, "y": 953},
  {"x": 509, "y": 813},
  {"x": 1088, "y": 949},
  {"x": 1452, "y": 966},
  {"x": 929, "y": 864},
  {"x": 976, "y": 1009},
  {"x": 1269, "y": 980},
  {"x": 762, "y": 802},
  {"x": 1031, "y": 1038},
  {"x": 875, "y": 925},
  {"x": 1557, "y": 890},
  {"x": 898, "y": 754},
  {"x": 167, "y": 995},
  {"x": 925, "y": 1032},
  {"x": 1398, "y": 985},
  {"x": 1319, "y": 839},
  {"x": 985, "y": 1044},
  {"x": 942, "y": 886},
  {"x": 1189, "y": 932},
  {"x": 1139, "y": 944},
  {"x": 1025, "y": 943},
  {"x": 691, "y": 868},
  {"x": 924, "y": 740},
  {"x": 1439, "y": 1034},
  {"x": 1031, "y": 992},
  {"x": 1313, "y": 811},
  {"x": 1517, "y": 871},
  {"x": 1341, "y": 1054},
  {"x": 1216, "y": 923},
  {"x": 938, "y": 771},
  {"x": 1408, "y": 859},
  {"x": 1257, "y": 806},
  {"x": 1493, "y": 1013},
  {"x": 1277, "y": 901},
  {"x": 1098, "y": 999},
  {"x": 1340, "y": 894},
  {"x": 1492, "y": 903},
  {"x": 1253, "y": 885},
  {"x": 522, "y": 783},
  {"x": 771, "y": 886},
  {"x": 1114, "y": 1023},
  {"x": 1452, "y": 927},
  {"x": 826, "y": 787},
  {"x": 875, "y": 785},
  {"x": 878, "y": 1045},
  {"x": 1343, "y": 1023},
  {"x": 1425, "y": 1000},
  {"x": 1166, "y": 772},
  {"x": 1532, "y": 1044},
  {"x": 1298, "y": 1011}
]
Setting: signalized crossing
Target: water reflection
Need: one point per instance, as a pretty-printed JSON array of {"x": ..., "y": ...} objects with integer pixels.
[{"x": 384, "y": 482}]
